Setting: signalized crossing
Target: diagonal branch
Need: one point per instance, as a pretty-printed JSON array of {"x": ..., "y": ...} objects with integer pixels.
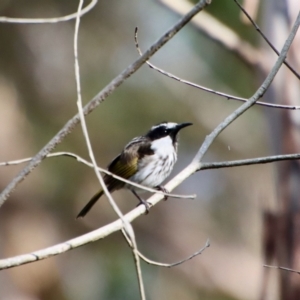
[
  {"x": 105, "y": 171},
  {"x": 258, "y": 94},
  {"x": 265, "y": 38},
  {"x": 99, "y": 98},
  {"x": 192, "y": 84},
  {"x": 185, "y": 173}
]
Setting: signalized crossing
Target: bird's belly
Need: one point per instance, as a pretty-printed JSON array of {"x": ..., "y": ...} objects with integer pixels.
[{"x": 152, "y": 171}]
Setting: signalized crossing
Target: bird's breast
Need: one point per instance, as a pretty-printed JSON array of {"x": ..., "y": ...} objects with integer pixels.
[{"x": 154, "y": 169}]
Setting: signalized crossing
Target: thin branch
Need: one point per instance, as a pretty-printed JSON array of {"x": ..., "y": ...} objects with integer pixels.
[
  {"x": 258, "y": 94},
  {"x": 204, "y": 166},
  {"x": 220, "y": 33},
  {"x": 49, "y": 20},
  {"x": 82, "y": 118},
  {"x": 221, "y": 94},
  {"x": 188, "y": 171},
  {"x": 282, "y": 268},
  {"x": 159, "y": 264},
  {"x": 127, "y": 226},
  {"x": 85, "y": 162},
  {"x": 136, "y": 257},
  {"x": 99, "y": 98},
  {"x": 247, "y": 162},
  {"x": 96, "y": 234},
  {"x": 265, "y": 38}
]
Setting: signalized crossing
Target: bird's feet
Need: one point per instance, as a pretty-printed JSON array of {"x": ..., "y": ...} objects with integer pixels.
[
  {"x": 164, "y": 190},
  {"x": 147, "y": 205},
  {"x": 142, "y": 201}
]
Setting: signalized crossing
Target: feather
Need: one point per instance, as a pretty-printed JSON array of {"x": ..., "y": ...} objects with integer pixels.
[{"x": 124, "y": 165}]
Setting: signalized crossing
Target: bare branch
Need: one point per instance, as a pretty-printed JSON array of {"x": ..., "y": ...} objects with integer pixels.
[
  {"x": 99, "y": 98},
  {"x": 49, "y": 20},
  {"x": 82, "y": 160},
  {"x": 159, "y": 264},
  {"x": 282, "y": 268},
  {"x": 247, "y": 162},
  {"x": 258, "y": 94},
  {"x": 188, "y": 171},
  {"x": 265, "y": 38},
  {"x": 221, "y": 94},
  {"x": 96, "y": 234},
  {"x": 127, "y": 226}
]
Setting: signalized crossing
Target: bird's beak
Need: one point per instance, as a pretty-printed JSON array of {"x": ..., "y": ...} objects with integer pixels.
[
  {"x": 179, "y": 127},
  {"x": 182, "y": 125}
]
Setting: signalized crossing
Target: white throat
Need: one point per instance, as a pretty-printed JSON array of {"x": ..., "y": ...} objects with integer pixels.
[{"x": 163, "y": 146}]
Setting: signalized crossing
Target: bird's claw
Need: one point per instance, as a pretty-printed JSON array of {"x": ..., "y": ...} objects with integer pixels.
[
  {"x": 164, "y": 190},
  {"x": 147, "y": 205}
]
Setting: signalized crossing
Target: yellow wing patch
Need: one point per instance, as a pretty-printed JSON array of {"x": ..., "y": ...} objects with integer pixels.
[{"x": 123, "y": 168}]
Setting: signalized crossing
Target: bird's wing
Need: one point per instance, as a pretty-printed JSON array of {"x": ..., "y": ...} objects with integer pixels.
[
  {"x": 126, "y": 164},
  {"x": 123, "y": 167}
]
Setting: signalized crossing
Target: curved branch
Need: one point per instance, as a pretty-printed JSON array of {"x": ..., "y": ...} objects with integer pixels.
[
  {"x": 49, "y": 20},
  {"x": 85, "y": 162},
  {"x": 198, "y": 86},
  {"x": 166, "y": 265},
  {"x": 258, "y": 94},
  {"x": 96, "y": 234},
  {"x": 99, "y": 98}
]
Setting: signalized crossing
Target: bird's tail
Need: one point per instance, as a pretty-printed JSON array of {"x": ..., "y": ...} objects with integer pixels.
[{"x": 89, "y": 205}]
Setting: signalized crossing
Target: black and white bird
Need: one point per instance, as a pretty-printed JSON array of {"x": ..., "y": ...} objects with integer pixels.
[{"x": 147, "y": 160}]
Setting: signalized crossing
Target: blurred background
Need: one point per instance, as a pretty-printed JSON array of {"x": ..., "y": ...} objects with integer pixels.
[{"x": 38, "y": 96}]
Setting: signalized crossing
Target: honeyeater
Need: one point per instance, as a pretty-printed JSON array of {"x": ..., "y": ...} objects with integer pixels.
[{"x": 147, "y": 160}]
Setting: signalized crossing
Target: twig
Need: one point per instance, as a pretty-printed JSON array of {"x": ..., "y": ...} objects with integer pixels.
[
  {"x": 127, "y": 226},
  {"x": 159, "y": 264},
  {"x": 247, "y": 162},
  {"x": 96, "y": 234},
  {"x": 221, "y": 94},
  {"x": 204, "y": 166},
  {"x": 282, "y": 268},
  {"x": 188, "y": 171},
  {"x": 82, "y": 160},
  {"x": 258, "y": 94},
  {"x": 265, "y": 38},
  {"x": 99, "y": 98},
  {"x": 49, "y": 20}
]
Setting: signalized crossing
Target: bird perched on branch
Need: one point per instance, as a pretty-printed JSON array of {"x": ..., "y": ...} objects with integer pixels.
[{"x": 147, "y": 160}]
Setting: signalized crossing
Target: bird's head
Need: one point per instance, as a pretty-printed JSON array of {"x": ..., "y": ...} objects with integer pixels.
[{"x": 166, "y": 129}]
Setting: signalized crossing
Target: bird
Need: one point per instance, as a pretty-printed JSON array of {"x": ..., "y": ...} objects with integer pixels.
[{"x": 147, "y": 160}]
